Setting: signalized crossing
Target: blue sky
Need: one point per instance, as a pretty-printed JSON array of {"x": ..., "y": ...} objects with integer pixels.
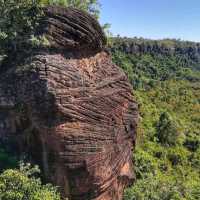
[{"x": 155, "y": 19}]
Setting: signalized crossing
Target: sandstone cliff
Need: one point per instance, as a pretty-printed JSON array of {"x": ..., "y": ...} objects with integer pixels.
[{"x": 70, "y": 109}]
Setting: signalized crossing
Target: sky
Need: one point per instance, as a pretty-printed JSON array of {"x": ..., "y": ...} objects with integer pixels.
[{"x": 153, "y": 19}]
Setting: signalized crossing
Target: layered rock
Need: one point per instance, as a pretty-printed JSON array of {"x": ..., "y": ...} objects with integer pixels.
[{"x": 71, "y": 110}]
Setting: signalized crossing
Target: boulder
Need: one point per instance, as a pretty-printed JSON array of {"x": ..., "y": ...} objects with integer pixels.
[{"x": 70, "y": 110}]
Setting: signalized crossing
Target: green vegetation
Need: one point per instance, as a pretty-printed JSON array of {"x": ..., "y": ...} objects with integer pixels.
[
  {"x": 18, "y": 21},
  {"x": 166, "y": 130},
  {"x": 166, "y": 80},
  {"x": 22, "y": 185},
  {"x": 17, "y": 24},
  {"x": 91, "y": 6}
]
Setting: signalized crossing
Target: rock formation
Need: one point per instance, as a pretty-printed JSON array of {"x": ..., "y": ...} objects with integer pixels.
[{"x": 71, "y": 110}]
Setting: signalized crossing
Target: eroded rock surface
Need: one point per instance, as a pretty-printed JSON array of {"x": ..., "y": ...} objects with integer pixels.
[{"x": 71, "y": 110}]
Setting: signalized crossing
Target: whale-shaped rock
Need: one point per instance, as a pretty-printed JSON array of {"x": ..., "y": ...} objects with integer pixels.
[{"x": 71, "y": 110}]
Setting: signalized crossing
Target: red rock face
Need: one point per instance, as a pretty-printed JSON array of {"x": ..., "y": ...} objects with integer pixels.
[{"x": 73, "y": 112}]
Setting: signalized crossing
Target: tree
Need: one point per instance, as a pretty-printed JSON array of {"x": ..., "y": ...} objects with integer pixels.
[
  {"x": 18, "y": 20},
  {"x": 22, "y": 185},
  {"x": 166, "y": 130},
  {"x": 91, "y": 6}
]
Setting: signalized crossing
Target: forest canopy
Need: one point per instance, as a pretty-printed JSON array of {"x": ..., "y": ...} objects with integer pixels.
[{"x": 165, "y": 76}]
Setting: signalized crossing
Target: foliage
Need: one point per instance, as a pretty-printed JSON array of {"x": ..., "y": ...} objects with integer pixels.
[
  {"x": 91, "y": 6},
  {"x": 18, "y": 20},
  {"x": 164, "y": 187},
  {"x": 22, "y": 185},
  {"x": 166, "y": 130},
  {"x": 166, "y": 79}
]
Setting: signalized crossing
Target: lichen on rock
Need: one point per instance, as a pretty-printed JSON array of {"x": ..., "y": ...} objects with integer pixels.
[{"x": 78, "y": 118}]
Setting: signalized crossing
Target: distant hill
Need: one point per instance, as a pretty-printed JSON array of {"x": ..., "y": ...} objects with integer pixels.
[
  {"x": 157, "y": 60},
  {"x": 165, "y": 75},
  {"x": 164, "y": 47}
]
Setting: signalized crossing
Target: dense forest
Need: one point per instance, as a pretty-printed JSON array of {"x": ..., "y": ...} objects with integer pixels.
[{"x": 165, "y": 76}]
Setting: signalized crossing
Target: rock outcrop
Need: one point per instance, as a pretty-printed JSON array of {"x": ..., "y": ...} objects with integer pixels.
[{"x": 71, "y": 110}]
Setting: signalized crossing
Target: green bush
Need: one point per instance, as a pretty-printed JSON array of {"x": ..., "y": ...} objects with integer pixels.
[
  {"x": 18, "y": 20},
  {"x": 178, "y": 155},
  {"x": 164, "y": 187},
  {"x": 145, "y": 164},
  {"x": 22, "y": 185},
  {"x": 154, "y": 188},
  {"x": 166, "y": 130},
  {"x": 91, "y": 6},
  {"x": 192, "y": 142},
  {"x": 195, "y": 160}
]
